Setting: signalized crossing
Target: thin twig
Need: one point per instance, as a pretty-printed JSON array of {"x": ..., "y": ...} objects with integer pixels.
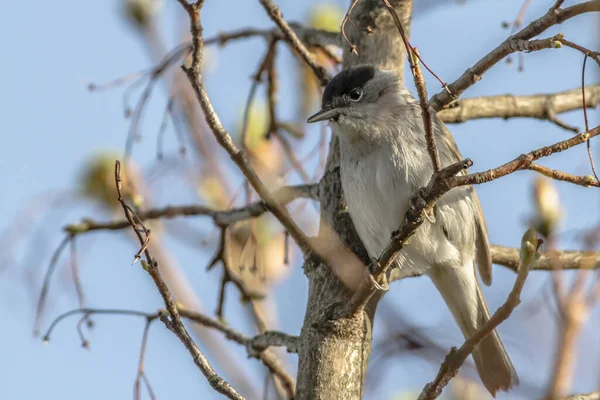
[
  {"x": 586, "y": 181},
  {"x": 255, "y": 346},
  {"x": 585, "y": 117},
  {"x": 173, "y": 320},
  {"x": 46, "y": 285},
  {"x": 421, "y": 90},
  {"x": 141, "y": 374},
  {"x": 290, "y": 36},
  {"x": 525, "y": 160},
  {"x": 347, "y": 18},
  {"x": 284, "y": 196},
  {"x": 268, "y": 358},
  {"x": 585, "y": 51}
]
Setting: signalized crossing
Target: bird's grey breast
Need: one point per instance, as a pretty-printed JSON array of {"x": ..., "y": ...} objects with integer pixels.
[{"x": 377, "y": 193}]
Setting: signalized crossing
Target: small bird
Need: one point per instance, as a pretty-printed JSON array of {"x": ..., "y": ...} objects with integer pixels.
[{"x": 383, "y": 162}]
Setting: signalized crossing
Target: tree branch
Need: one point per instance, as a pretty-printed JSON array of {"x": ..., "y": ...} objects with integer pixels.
[
  {"x": 524, "y": 161},
  {"x": 274, "y": 338},
  {"x": 540, "y": 106},
  {"x": 221, "y": 218},
  {"x": 567, "y": 260},
  {"x": 258, "y": 351},
  {"x": 473, "y": 74},
  {"x": 290, "y": 36},
  {"x": 223, "y": 137},
  {"x": 173, "y": 320}
]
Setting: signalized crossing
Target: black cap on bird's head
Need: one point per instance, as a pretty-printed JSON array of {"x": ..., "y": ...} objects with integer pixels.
[{"x": 343, "y": 90}]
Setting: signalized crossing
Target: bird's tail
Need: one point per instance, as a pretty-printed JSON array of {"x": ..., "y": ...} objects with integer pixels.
[{"x": 461, "y": 292}]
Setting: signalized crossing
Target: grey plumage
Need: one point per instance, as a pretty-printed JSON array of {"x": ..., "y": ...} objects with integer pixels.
[{"x": 384, "y": 161}]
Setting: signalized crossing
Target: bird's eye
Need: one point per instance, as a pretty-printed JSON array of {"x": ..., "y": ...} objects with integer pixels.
[{"x": 355, "y": 94}]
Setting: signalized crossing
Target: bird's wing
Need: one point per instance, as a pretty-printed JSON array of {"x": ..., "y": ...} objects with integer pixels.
[{"x": 483, "y": 256}]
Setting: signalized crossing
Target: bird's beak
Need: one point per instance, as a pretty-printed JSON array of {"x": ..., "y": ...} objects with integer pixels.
[{"x": 324, "y": 114}]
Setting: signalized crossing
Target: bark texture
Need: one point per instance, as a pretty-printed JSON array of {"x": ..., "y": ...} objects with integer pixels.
[{"x": 333, "y": 352}]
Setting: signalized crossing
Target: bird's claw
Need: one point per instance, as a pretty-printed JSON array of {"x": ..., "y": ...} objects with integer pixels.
[{"x": 380, "y": 287}]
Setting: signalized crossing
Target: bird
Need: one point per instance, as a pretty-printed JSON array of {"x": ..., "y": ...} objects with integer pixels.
[{"x": 383, "y": 162}]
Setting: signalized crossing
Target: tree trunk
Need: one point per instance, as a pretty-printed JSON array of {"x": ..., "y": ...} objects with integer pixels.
[{"x": 334, "y": 353}]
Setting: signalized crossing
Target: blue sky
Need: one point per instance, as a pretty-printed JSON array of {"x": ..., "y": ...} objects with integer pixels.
[{"x": 51, "y": 124}]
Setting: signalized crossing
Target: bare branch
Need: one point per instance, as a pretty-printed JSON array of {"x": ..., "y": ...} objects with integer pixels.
[
  {"x": 473, "y": 74},
  {"x": 290, "y": 36},
  {"x": 421, "y": 90},
  {"x": 274, "y": 338},
  {"x": 592, "y": 54},
  {"x": 567, "y": 260},
  {"x": 582, "y": 396},
  {"x": 540, "y": 106},
  {"x": 223, "y": 218},
  {"x": 525, "y": 160},
  {"x": 268, "y": 358},
  {"x": 173, "y": 320},
  {"x": 257, "y": 350},
  {"x": 586, "y": 181},
  {"x": 141, "y": 374},
  {"x": 224, "y": 138},
  {"x": 46, "y": 285}
]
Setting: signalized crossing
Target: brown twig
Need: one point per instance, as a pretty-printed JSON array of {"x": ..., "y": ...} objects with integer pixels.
[
  {"x": 473, "y": 74},
  {"x": 455, "y": 359},
  {"x": 163, "y": 128},
  {"x": 46, "y": 285},
  {"x": 223, "y": 218},
  {"x": 274, "y": 126},
  {"x": 141, "y": 374},
  {"x": 75, "y": 275},
  {"x": 255, "y": 346},
  {"x": 268, "y": 358},
  {"x": 290, "y": 36},
  {"x": 153, "y": 75},
  {"x": 172, "y": 321},
  {"x": 585, "y": 117},
  {"x": 247, "y": 295},
  {"x": 421, "y": 90},
  {"x": 592, "y": 54},
  {"x": 346, "y": 19},
  {"x": 224, "y": 138},
  {"x": 586, "y": 181},
  {"x": 256, "y": 79},
  {"x": 525, "y": 160}
]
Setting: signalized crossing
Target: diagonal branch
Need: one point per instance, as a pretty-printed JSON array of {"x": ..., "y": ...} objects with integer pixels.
[
  {"x": 473, "y": 74},
  {"x": 256, "y": 346},
  {"x": 524, "y": 161},
  {"x": 194, "y": 75},
  {"x": 173, "y": 320},
  {"x": 421, "y": 90},
  {"x": 290, "y": 36}
]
